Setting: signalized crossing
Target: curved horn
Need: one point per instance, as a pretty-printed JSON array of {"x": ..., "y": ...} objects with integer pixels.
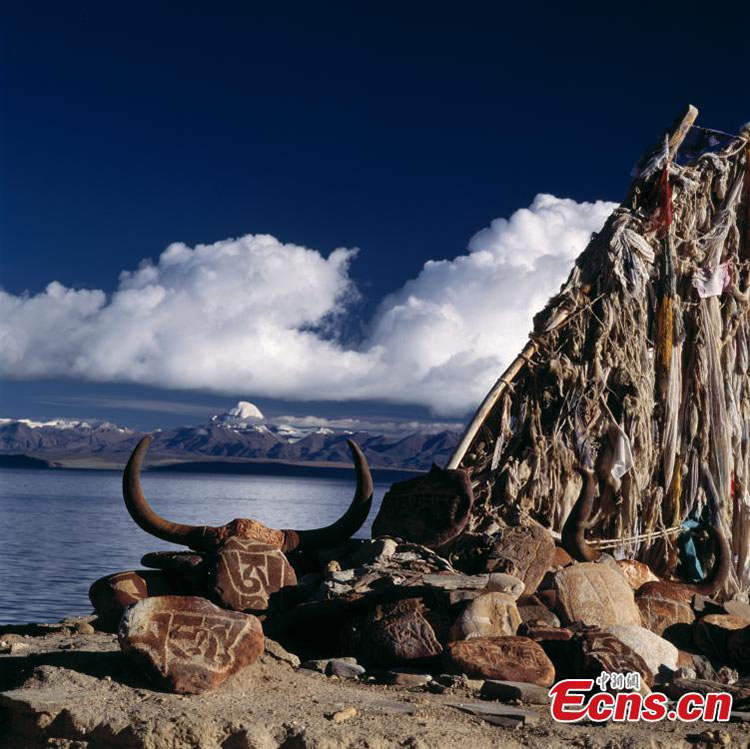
[
  {"x": 349, "y": 523},
  {"x": 572, "y": 534},
  {"x": 715, "y": 579},
  {"x": 194, "y": 536}
]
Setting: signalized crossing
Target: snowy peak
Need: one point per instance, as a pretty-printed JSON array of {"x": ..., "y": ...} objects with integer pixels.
[{"x": 243, "y": 415}]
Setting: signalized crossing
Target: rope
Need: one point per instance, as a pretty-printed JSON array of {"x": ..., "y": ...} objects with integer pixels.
[{"x": 611, "y": 543}]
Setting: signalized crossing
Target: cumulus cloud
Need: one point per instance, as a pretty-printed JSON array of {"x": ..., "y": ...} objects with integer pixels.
[{"x": 257, "y": 317}]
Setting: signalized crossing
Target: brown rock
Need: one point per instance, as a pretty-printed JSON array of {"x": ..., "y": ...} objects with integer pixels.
[
  {"x": 711, "y": 634},
  {"x": 561, "y": 558},
  {"x": 180, "y": 561},
  {"x": 663, "y": 604},
  {"x": 431, "y": 510},
  {"x": 636, "y": 573},
  {"x": 491, "y": 614},
  {"x": 529, "y": 549},
  {"x": 397, "y": 632},
  {"x": 111, "y": 595},
  {"x": 659, "y": 655},
  {"x": 503, "y": 658},
  {"x": 539, "y": 615},
  {"x": 248, "y": 572},
  {"x": 595, "y": 594},
  {"x": 187, "y": 645},
  {"x": 595, "y": 650}
]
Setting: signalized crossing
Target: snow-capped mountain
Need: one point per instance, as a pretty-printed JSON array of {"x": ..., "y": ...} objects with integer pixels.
[{"x": 240, "y": 432}]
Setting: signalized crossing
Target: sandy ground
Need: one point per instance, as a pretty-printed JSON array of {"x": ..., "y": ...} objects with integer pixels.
[{"x": 77, "y": 691}]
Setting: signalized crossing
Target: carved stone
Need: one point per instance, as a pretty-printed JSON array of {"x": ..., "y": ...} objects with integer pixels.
[
  {"x": 503, "y": 658},
  {"x": 636, "y": 573},
  {"x": 664, "y": 604},
  {"x": 595, "y": 594},
  {"x": 525, "y": 551},
  {"x": 111, "y": 595},
  {"x": 596, "y": 650},
  {"x": 397, "y": 632},
  {"x": 248, "y": 572},
  {"x": 187, "y": 645},
  {"x": 431, "y": 510}
]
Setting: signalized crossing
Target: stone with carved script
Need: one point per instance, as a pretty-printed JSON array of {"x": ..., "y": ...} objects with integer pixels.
[
  {"x": 529, "y": 549},
  {"x": 595, "y": 594},
  {"x": 664, "y": 604},
  {"x": 111, "y": 595},
  {"x": 247, "y": 573},
  {"x": 431, "y": 510},
  {"x": 503, "y": 658},
  {"x": 398, "y": 632},
  {"x": 187, "y": 645},
  {"x": 596, "y": 650}
]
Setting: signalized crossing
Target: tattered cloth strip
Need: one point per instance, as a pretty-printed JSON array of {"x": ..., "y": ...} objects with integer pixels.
[
  {"x": 746, "y": 201},
  {"x": 687, "y": 431},
  {"x": 713, "y": 281}
]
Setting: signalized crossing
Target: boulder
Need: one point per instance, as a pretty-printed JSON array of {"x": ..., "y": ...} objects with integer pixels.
[
  {"x": 180, "y": 561},
  {"x": 664, "y": 604},
  {"x": 594, "y": 650},
  {"x": 187, "y": 645},
  {"x": 398, "y": 632},
  {"x": 660, "y": 655},
  {"x": 502, "y": 658},
  {"x": 595, "y": 594},
  {"x": 711, "y": 634},
  {"x": 489, "y": 614},
  {"x": 636, "y": 573},
  {"x": 111, "y": 595},
  {"x": 525, "y": 551},
  {"x": 560, "y": 558},
  {"x": 247, "y": 573},
  {"x": 538, "y": 614},
  {"x": 502, "y": 582},
  {"x": 507, "y": 691},
  {"x": 431, "y": 510}
]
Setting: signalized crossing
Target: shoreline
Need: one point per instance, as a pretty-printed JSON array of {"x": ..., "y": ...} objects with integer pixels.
[{"x": 237, "y": 467}]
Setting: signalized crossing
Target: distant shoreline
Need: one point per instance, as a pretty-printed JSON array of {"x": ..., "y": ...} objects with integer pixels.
[{"x": 223, "y": 467}]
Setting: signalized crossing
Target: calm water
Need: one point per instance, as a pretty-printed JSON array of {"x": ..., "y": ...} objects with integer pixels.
[{"x": 61, "y": 530}]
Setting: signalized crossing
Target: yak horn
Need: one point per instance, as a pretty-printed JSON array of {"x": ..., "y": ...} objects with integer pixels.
[
  {"x": 574, "y": 528},
  {"x": 206, "y": 537},
  {"x": 195, "y": 536},
  {"x": 350, "y": 522}
]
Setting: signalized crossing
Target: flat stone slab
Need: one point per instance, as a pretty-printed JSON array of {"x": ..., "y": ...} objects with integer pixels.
[
  {"x": 489, "y": 710},
  {"x": 515, "y": 690}
]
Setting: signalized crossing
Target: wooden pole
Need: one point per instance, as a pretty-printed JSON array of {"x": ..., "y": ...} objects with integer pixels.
[{"x": 679, "y": 131}]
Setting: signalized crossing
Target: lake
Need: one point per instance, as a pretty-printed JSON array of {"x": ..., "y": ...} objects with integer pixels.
[{"x": 61, "y": 530}]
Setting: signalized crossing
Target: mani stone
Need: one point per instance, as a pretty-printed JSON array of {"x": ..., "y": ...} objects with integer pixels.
[
  {"x": 397, "y": 632},
  {"x": 596, "y": 650},
  {"x": 489, "y": 614},
  {"x": 431, "y": 510},
  {"x": 502, "y": 658},
  {"x": 711, "y": 634},
  {"x": 187, "y": 645},
  {"x": 525, "y": 551},
  {"x": 595, "y": 594},
  {"x": 663, "y": 604},
  {"x": 111, "y": 595},
  {"x": 248, "y": 572},
  {"x": 660, "y": 655},
  {"x": 636, "y": 573}
]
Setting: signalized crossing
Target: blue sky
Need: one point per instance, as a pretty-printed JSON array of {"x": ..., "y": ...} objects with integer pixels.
[{"x": 404, "y": 130}]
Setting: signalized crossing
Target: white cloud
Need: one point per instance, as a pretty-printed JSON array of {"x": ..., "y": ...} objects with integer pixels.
[{"x": 257, "y": 317}]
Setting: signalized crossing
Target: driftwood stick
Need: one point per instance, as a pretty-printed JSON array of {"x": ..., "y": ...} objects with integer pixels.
[{"x": 679, "y": 131}]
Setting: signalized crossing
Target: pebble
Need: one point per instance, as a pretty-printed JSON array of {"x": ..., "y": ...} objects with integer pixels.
[
  {"x": 346, "y": 714},
  {"x": 344, "y": 668}
]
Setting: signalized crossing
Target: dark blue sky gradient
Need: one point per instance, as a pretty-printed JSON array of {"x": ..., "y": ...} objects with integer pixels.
[{"x": 400, "y": 128}]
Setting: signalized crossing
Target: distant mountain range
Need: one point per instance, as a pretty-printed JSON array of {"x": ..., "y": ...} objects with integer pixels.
[{"x": 239, "y": 433}]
